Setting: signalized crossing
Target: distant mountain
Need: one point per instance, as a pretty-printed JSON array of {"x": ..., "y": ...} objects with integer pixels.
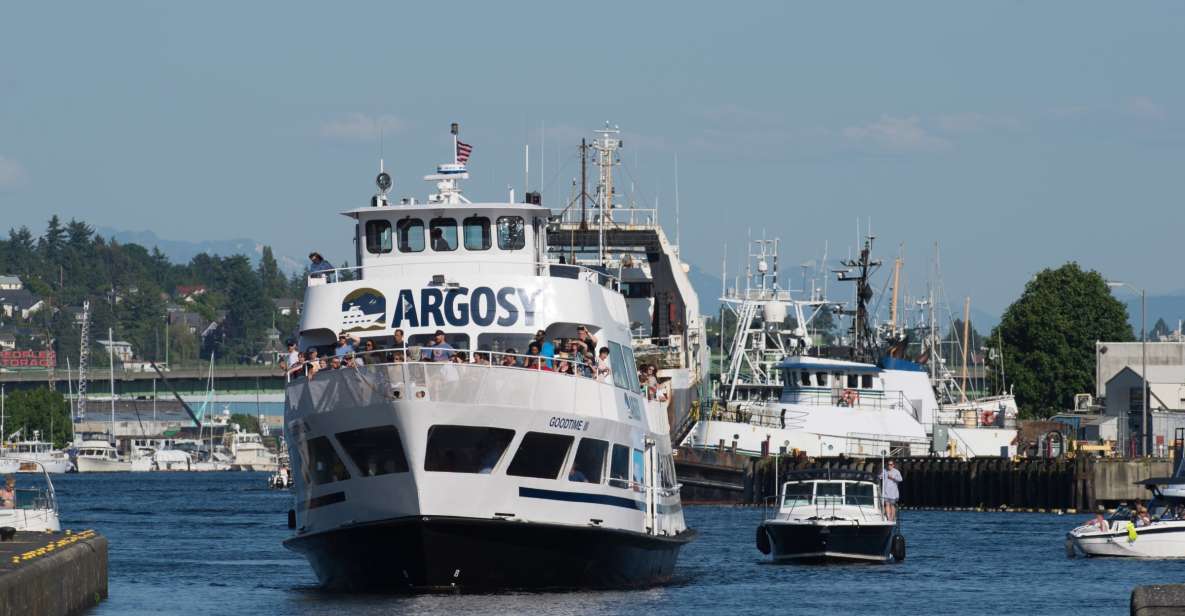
[
  {"x": 1170, "y": 307},
  {"x": 182, "y": 251}
]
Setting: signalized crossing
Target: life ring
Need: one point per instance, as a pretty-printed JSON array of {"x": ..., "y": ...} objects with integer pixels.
[
  {"x": 987, "y": 418},
  {"x": 849, "y": 397}
]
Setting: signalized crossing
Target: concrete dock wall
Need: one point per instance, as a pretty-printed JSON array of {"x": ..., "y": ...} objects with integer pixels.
[{"x": 57, "y": 575}]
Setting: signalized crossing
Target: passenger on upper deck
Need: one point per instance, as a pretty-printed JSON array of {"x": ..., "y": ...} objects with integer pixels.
[
  {"x": 320, "y": 268},
  {"x": 399, "y": 343},
  {"x": 585, "y": 339},
  {"x": 439, "y": 350},
  {"x": 345, "y": 344},
  {"x": 508, "y": 360},
  {"x": 546, "y": 348},
  {"x": 604, "y": 369}
]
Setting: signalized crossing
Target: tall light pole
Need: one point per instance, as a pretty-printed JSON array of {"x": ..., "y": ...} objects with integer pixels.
[{"x": 1147, "y": 445}]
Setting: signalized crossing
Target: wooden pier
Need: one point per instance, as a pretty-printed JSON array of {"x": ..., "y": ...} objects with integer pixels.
[{"x": 52, "y": 573}]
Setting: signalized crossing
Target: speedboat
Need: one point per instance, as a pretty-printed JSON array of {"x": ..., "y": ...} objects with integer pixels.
[
  {"x": 1125, "y": 533},
  {"x": 35, "y": 507},
  {"x": 827, "y": 515}
]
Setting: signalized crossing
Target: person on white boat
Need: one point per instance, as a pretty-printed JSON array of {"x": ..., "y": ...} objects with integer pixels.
[
  {"x": 319, "y": 267},
  {"x": 546, "y": 347},
  {"x": 293, "y": 359},
  {"x": 345, "y": 344},
  {"x": 604, "y": 369},
  {"x": 1141, "y": 517},
  {"x": 440, "y": 350},
  {"x": 890, "y": 477},
  {"x": 1099, "y": 522},
  {"x": 8, "y": 493}
]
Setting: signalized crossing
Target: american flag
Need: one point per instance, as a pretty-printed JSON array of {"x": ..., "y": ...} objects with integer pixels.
[{"x": 463, "y": 150}]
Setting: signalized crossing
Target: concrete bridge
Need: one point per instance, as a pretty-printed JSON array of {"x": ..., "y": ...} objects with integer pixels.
[{"x": 187, "y": 381}]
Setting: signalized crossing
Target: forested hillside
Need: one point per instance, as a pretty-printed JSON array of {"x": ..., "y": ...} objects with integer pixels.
[{"x": 143, "y": 297}]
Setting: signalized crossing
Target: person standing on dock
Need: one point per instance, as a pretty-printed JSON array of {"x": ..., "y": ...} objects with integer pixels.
[{"x": 890, "y": 477}]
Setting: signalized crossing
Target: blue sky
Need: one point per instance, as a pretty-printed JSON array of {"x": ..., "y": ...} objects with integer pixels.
[{"x": 1017, "y": 134}]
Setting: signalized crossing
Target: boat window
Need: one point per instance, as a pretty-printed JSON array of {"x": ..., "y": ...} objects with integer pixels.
[
  {"x": 796, "y": 494},
  {"x": 637, "y": 290},
  {"x": 866, "y": 381},
  {"x": 465, "y": 449},
  {"x": 821, "y": 379},
  {"x": 829, "y": 493},
  {"x": 511, "y": 233},
  {"x": 805, "y": 378},
  {"x": 375, "y": 451},
  {"x": 639, "y": 469},
  {"x": 540, "y": 455},
  {"x": 411, "y": 234},
  {"x": 631, "y": 369},
  {"x": 476, "y": 230},
  {"x": 378, "y": 236},
  {"x": 502, "y": 343},
  {"x": 616, "y": 358},
  {"x": 619, "y": 467},
  {"x": 589, "y": 463},
  {"x": 444, "y": 234},
  {"x": 853, "y": 381},
  {"x": 668, "y": 472},
  {"x": 459, "y": 342},
  {"x": 859, "y": 494},
  {"x": 322, "y": 464}
]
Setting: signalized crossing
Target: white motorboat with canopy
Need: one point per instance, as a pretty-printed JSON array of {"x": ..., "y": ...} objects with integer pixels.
[
  {"x": 488, "y": 468},
  {"x": 1155, "y": 529},
  {"x": 34, "y": 506}
]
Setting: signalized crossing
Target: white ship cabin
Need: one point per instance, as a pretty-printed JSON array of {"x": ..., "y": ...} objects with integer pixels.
[
  {"x": 817, "y": 381},
  {"x": 479, "y": 272}
]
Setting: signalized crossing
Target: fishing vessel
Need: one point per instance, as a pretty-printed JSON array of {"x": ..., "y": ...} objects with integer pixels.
[
  {"x": 606, "y": 228},
  {"x": 830, "y": 515},
  {"x": 782, "y": 394},
  {"x": 486, "y": 469}
]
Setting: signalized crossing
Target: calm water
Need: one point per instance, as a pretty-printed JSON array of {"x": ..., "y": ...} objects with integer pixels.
[{"x": 210, "y": 544}]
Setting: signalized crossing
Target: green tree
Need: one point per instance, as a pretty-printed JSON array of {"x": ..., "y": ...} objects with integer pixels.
[
  {"x": 248, "y": 423},
  {"x": 249, "y": 312},
  {"x": 270, "y": 277},
  {"x": 42, "y": 410},
  {"x": 1049, "y": 333},
  {"x": 1159, "y": 330}
]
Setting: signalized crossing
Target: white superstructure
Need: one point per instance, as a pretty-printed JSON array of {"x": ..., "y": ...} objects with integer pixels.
[
  {"x": 36, "y": 454},
  {"x": 460, "y": 472},
  {"x": 100, "y": 457}
]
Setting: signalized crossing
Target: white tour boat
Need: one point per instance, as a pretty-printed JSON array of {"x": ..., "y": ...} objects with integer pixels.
[
  {"x": 473, "y": 475},
  {"x": 830, "y": 515},
  {"x": 35, "y": 507}
]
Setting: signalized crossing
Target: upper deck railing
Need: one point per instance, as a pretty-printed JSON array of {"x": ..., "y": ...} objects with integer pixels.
[{"x": 541, "y": 268}]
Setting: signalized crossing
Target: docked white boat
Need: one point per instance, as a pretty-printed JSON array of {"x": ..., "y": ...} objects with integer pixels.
[
  {"x": 100, "y": 457},
  {"x": 249, "y": 453},
  {"x": 34, "y": 506},
  {"x": 33, "y": 456},
  {"x": 827, "y": 515},
  {"x": 473, "y": 475}
]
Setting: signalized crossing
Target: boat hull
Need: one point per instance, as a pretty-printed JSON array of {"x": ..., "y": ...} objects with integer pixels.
[
  {"x": 427, "y": 553},
  {"x": 1153, "y": 542},
  {"x": 102, "y": 465},
  {"x": 821, "y": 542}
]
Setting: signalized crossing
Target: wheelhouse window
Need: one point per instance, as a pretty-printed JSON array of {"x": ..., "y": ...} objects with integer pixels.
[
  {"x": 511, "y": 233},
  {"x": 821, "y": 379},
  {"x": 322, "y": 464},
  {"x": 476, "y": 230},
  {"x": 378, "y": 236},
  {"x": 805, "y": 378},
  {"x": 444, "y": 234},
  {"x": 631, "y": 369},
  {"x": 619, "y": 467},
  {"x": 859, "y": 494},
  {"x": 853, "y": 381},
  {"x": 639, "y": 469},
  {"x": 866, "y": 381},
  {"x": 589, "y": 464},
  {"x": 465, "y": 449},
  {"x": 616, "y": 358},
  {"x": 540, "y": 455},
  {"x": 411, "y": 234},
  {"x": 375, "y": 451},
  {"x": 797, "y": 494}
]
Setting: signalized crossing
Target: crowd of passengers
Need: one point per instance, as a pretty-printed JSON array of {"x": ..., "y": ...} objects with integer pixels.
[{"x": 572, "y": 356}]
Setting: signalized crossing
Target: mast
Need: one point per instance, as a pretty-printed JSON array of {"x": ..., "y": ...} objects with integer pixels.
[
  {"x": 583, "y": 185},
  {"x": 111, "y": 373},
  {"x": 607, "y": 144},
  {"x": 83, "y": 359},
  {"x": 893, "y": 304},
  {"x": 966, "y": 341},
  {"x": 860, "y": 271}
]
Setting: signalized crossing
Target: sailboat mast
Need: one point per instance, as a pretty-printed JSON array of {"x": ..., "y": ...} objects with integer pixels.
[
  {"x": 966, "y": 341},
  {"x": 111, "y": 376}
]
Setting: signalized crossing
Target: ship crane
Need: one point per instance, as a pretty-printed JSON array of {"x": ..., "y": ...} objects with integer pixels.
[{"x": 84, "y": 354}]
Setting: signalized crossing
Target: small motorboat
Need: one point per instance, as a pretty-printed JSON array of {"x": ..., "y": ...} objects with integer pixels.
[
  {"x": 1155, "y": 529},
  {"x": 830, "y": 515},
  {"x": 34, "y": 506}
]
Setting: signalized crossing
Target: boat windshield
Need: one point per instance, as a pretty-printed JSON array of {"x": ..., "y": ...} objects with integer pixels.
[
  {"x": 859, "y": 494},
  {"x": 796, "y": 494},
  {"x": 829, "y": 493}
]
